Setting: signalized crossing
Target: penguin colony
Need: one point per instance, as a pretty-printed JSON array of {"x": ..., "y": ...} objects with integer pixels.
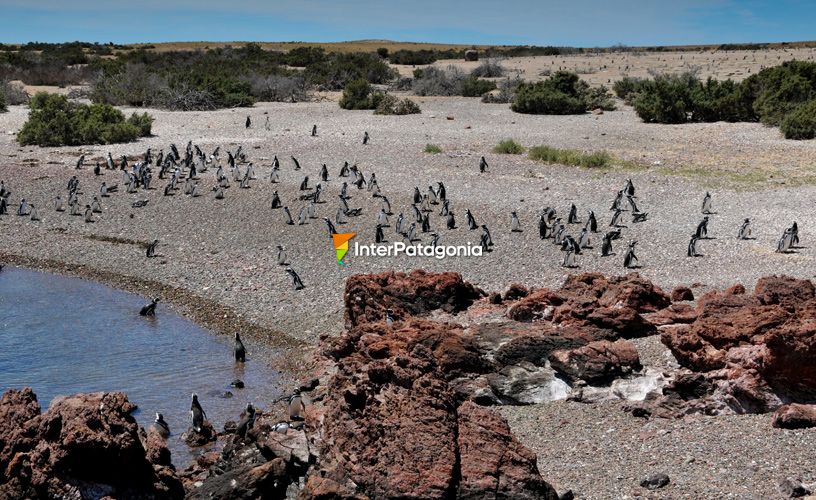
[{"x": 181, "y": 175}]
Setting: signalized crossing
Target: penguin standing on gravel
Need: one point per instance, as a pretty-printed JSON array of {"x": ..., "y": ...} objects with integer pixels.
[
  {"x": 515, "y": 225},
  {"x": 296, "y": 281},
  {"x": 365, "y": 138},
  {"x": 314, "y": 130},
  {"x": 745, "y": 230},
  {"x": 197, "y": 414},
  {"x": 289, "y": 220},
  {"x": 706, "y": 209},
  {"x": 606, "y": 246},
  {"x": 276, "y": 201},
  {"x": 238, "y": 349},
  {"x": 470, "y": 220},
  {"x": 297, "y": 408},
  {"x": 151, "y": 248},
  {"x": 692, "y": 247},
  {"x": 592, "y": 223},
  {"x": 248, "y": 122},
  {"x": 702, "y": 228},
  {"x": 482, "y": 165},
  {"x": 542, "y": 226},
  {"x": 630, "y": 260},
  {"x": 572, "y": 218},
  {"x": 281, "y": 256}
]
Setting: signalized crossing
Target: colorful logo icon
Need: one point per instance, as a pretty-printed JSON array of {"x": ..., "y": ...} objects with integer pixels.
[{"x": 341, "y": 245}]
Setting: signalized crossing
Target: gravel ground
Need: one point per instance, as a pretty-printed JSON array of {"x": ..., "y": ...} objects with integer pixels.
[
  {"x": 224, "y": 251},
  {"x": 218, "y": 257},
  {"x": 601, "y": 452}
]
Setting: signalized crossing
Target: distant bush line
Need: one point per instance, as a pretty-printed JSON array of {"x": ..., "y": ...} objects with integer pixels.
[
  {"x": 783, "y": 96},
  {"x": 55, "y": 121}
]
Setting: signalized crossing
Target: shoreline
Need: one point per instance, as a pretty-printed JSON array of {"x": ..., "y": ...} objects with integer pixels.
[{"x": 282, "y": 352}]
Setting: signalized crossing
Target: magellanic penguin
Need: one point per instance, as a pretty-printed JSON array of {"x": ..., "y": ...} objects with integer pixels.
[
  {"x": 296, "y": 281},
  {"x": 281, "y": 256},
  {"x": 197, "y": 415},
  {"x": 706, "y": 209},
  {"x": 314, "y": 130},
  {"x": 297, "y": 408},
  {"x": 365, "y": 138},
  {"x": 692, "y": 247},
  {"x": 247, "y": 421},
  {"x": 482, "y": 165},
  {"x": 151, "y": 248},
  {"x": 702, "y": 228},
  {"x": 745, "y": 230},
  {"x": 149, "y": 309},
  {"x": 161, "y": 426},
  {"x": 515, "y": 225},
  {"x": 631, "y": 260},
  {"x": 238, "y": 349}
]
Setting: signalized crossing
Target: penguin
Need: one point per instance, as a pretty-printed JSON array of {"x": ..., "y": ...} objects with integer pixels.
[
  {"x": 151, "y": 249},
  {"x": 389, "y": 317},
  {"x": 311, "y": 210},
  {"x": 572, "y": 218},
  {"x": 97, "y": 169},
  {"x": 629, "y": 189},
  {"x": 692, "y": 247},
  {"x": 276, "y": 201},
  {"x": 785, "y": 242},
  {"x": 794, "y": 230},
  {"x": 149, "y": 309},
  {"x": 365, "y": 138},
  {"x": 304, "y": 186},
  {"x": 297, "y": 163},
  {"x": 332, "y": 230},
  {"x": 379, "y": 236},
  {"x": 470, "y": 220},
  {"x": 248, "y": 122},
  {"x": 382, "y": 218},
  {"x": 615, "y": 222},
  {"x": 296, "y": 281},
  {"x": 632, "y": 204},
  {"x": 441, "y": 192},
  {"x": 445, "y": 207},
  {"x": 483, "y": 242},
  {"x": 630, "y": 260},
  {"x": 109, "y": 162},
  {"x": 161, "y": 426},
  {"x": 324, "y": 173},
  {"x": 702, "y": 228},
  {"x": 23, "y": 208},
  {"x": 58, "y": 204},
  {"x": 289, "y": 220},
  {"x": 592, "y": 223},
  {"x": 80, "y": 162},
  {"x": 486, "y": 232},
  {"x": 606, "y": 246},
  {"x": 296, "y": 408},
  {"x": 340, "y": 216},
  {"x": 410, "y": 235},
  {"x": 344, "y": 170},
  {"x": 219, "y": 192},
  {"x": 197, "y": 414},
  {"x": 745, "y": 230},
  {"x": 426, "y": 224},
  {"x": 314, "y": 130},
  {"x": 482, "y": 165},
  {"x": 273, "y": 176},
  {"x": 434, "y": 241},
  {"x": 584, "y": 239},
  {"x": 247, "y": 422},
  {"x": 706, "y": 209},
  {"x": 281, "y": 256},
  {"x": 569, "y": 259},
  {"x": 33, "y": 212},
  {"x": 617, "y": 201},
  {"x": 238, "y": 349},
  {"x": 515, "y": 225},
  {"x": 451, "y": 221},
  {"x": 542, "y": 226},
  {"x": 267, "y": 125},
  {"x": 88, "y": 214},
  {"x": 280, "y": 427},
  {"x": 302, "y": 216}
]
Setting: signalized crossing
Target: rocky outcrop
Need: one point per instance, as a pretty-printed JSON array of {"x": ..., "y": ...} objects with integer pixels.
[
  {"x": 795, "y": 416},
  {"x": 598, "y": 362},
  {"x": 368, "y": 296},
  {"x": 758, "y": 348},
  {"x": 87, "y": 445}
]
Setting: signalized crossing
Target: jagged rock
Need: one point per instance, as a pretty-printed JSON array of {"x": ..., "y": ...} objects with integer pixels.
[
  {"x": 673, "y": 315},
  {"x": 682, "y": 293},
  {"x": 368, "y": 296},
  {"x": 196, "y": 438},
  {"x": 515, "y": 292},
  {"x": 526, "y": 383},
  {"x": 795, "y": 416},
  {"x": 292, "y": 446},
  {"x": 597, "y": 362},
  {"x": 84, "y": 445}
]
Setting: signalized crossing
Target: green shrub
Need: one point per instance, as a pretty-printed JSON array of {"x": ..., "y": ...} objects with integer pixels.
[
  {"x": 547, "y": 154},
  {"x": 358, "y": 95},
  {"x": 304, "y": 56},
  {"x": 391, "y": 105},
  {"x": 54, "y": 121},
  {"x": 719, "y": 101},
  {"x": 801, "y": 122},
  {"x": 561, "y": 94},
  {"x": 627, "y": 87},
  {"x": 598, "y": 97},
  {"x": 508, "y": 147},
  {"x": 413, "y": 57},
  {"x": 432, "y": 149},
  {"x": 382, "y": 52},
  {"x": 3, "y": 107},
  {"x": 476, "y": 87},
  {"x": 665, "y": 99},
  {"x": 339, "y": 69}
]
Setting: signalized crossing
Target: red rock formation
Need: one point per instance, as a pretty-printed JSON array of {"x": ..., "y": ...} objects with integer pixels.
[
  {"x": 761, "y": 345},
  {"x": 682, "y": 293},
  {"x": 795, "y": 416},
  {"x": 83, "y": 444},
  {"x": 598, "y": 361}
]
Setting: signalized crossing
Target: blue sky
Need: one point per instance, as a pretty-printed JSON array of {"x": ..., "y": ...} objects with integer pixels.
[{"x": 585, "y": 23}]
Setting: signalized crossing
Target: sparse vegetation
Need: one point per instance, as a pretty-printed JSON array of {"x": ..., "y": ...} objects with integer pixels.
[
  {"x": 627, "y": 87},
  {"x": 508, "y": 147},
  {"x": 572, "y": 157},
  {"x": 432, "y": 149},
  {"x": 490, "y": 68},
  {"x": 506, "y": 91},
  {"x": 13, "y": 94},
  {"x": 391, "y": 105},
  {"x": 54, "y": 121},
  {"x": 449, "y": 82}
]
